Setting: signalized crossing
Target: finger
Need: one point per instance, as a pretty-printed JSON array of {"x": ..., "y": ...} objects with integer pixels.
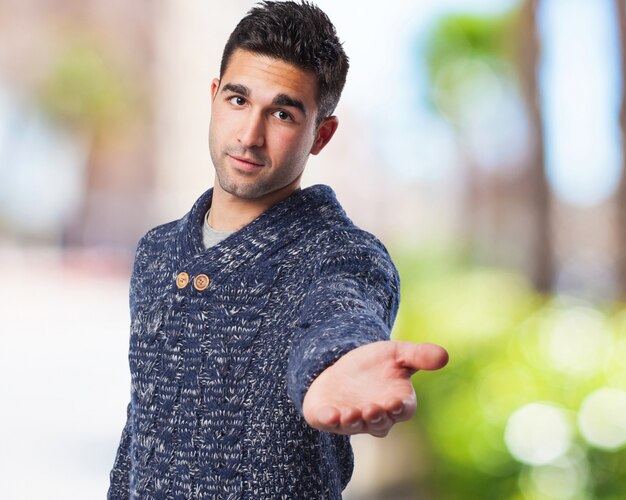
[
  {"x": 328, "y": 417},
  {"x": 373, "y": 413},
  {"x": 351, "y": 421},
  {"x": 377, "y": 422},
  {"x": 399, "y": 410},
  {"x": 424, "y": 356},
  {"x": 380, "y": 432}
]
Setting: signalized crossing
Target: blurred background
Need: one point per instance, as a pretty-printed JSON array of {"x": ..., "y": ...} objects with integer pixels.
[{"x": 481, "y": 140}]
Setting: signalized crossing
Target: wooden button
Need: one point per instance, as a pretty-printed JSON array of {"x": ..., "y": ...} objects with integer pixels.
[
  {"x": 182, "y": 280},
  {"x": 201, "y": 282}
]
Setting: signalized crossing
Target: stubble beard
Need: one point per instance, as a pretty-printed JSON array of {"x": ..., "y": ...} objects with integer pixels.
[
  {"x": 258, "y": 186},
  {"x": 247, "y": 191}
]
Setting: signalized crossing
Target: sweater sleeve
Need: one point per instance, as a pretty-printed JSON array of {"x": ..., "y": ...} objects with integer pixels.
[{"x": 352, "y": 301}]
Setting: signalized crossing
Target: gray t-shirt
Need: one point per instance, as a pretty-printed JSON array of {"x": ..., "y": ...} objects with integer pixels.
[{"x": 211, "y": 237}]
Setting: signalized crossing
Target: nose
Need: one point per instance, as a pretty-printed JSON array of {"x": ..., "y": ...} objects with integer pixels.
[{"x": 253, "y": 131}]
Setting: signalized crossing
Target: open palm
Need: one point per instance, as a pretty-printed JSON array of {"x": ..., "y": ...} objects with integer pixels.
[{"x": 369, "y": 389}]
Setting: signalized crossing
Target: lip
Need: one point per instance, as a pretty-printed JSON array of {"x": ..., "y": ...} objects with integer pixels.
[{"x": 245, "y": 163}]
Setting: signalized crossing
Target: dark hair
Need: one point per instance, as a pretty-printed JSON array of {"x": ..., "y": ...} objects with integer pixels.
[{"x": 300, "y": 34}]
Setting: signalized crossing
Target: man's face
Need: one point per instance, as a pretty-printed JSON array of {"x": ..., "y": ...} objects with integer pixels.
[{"x": 263, "y": 125}]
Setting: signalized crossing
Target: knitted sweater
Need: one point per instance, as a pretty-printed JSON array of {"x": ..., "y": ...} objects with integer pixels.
[{"x": 221, "y": 357}]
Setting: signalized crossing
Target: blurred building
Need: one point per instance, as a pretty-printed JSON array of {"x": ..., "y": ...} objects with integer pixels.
[{"x": 59, "y": 63}]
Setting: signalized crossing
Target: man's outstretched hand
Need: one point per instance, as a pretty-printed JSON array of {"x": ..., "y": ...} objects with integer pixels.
[{"x": 369, "y": 389}]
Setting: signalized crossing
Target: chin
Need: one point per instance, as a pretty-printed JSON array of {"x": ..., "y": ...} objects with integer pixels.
[{"x": 245, "y": 192}]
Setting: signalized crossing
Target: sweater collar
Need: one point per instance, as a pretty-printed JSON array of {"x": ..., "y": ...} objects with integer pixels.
[{"x": 303, "y": 211}]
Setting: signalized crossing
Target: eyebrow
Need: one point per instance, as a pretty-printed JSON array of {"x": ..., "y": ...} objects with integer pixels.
[
  {"x": 285, "y": 100},
  {"x": 237, "y": 89},
  {"x": 279, "y": 100}
]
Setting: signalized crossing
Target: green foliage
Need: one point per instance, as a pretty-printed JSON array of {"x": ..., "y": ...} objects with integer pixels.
[
  {"x": 469, "y": 36},
  {"x": 84, "y": 89},
  {"x": 509, "y": 348},
  {"x": 464, "y": 55}
]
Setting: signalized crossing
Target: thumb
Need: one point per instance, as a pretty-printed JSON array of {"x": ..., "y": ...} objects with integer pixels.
[{"x": 424, "y": 356}]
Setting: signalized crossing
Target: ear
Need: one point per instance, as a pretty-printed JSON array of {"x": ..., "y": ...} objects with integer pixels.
[
  {"x": 215, "y": 85},
  {"x": 324, "y": 133}
]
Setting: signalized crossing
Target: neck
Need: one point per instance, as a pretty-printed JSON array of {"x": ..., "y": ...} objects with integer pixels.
[{"x": 230, "y": 213}]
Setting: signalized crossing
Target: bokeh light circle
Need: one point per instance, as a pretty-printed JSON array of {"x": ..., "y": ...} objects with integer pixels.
[
  {"x": 578, "y": 341},
  {"x": 602, "y": 418},
  {"x": 538, "y": 433}
]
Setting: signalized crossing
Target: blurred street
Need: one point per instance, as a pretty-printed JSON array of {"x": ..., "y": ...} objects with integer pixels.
[{"x": 64, "y": 373}]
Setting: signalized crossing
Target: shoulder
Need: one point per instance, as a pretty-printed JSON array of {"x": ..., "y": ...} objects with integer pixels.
[
  {"x": 335, "y": 238},
  {"x": 358, "y": 252},
  {"x": 334, "y": 228},
  {"x": 164, "y": 233},
  {"x": 352, "y": 239},
  {"x": 346, "y": 249},
  {"x": 159, "y": 235},
  {"x": 153, "y": 243}
]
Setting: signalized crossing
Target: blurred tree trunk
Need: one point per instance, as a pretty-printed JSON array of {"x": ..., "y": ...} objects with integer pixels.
[
  {"x": 542, "y": 270},
  {"x": 621, "y": 192},
  {"x": 470, "y": 200}
]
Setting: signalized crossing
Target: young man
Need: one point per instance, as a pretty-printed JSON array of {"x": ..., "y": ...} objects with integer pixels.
[{"x": 261, "y": 319}]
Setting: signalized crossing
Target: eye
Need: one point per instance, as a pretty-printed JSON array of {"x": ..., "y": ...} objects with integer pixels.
[
  {"x": 237, "y": 100},
  {"x": 283, "y": 115}
]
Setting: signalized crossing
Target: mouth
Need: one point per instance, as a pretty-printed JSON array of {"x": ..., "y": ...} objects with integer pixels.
[{"x": 246, "y": 163}]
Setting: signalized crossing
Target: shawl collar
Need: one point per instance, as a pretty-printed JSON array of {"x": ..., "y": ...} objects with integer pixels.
[{"x": 303, "y": 212}]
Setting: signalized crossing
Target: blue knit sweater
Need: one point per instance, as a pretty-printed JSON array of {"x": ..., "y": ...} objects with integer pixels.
[{"x": 222, "y": 356}]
